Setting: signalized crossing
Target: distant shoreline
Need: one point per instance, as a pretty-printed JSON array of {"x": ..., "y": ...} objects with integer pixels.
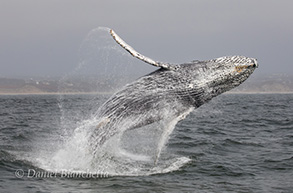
[
  {"x": 57, "y": 93},
  {"x": 258, "y": 92},
  {"x": 273, "y": 84},
  {"x": 109, "y": 93}
]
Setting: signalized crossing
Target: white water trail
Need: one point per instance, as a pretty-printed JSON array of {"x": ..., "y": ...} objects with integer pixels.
[
  {"x": 169, "y": 127},
  {"x": 164, "y": 138}
]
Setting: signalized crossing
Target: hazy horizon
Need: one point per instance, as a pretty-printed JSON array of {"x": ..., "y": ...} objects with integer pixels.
[{"x": 44, "y": 38}]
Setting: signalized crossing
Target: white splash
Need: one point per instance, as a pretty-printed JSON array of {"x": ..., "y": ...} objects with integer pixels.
[{"x": 119, "y": 156}]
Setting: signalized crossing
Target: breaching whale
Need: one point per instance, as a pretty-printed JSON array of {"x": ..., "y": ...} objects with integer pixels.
[{"x": 169, "y": 93}]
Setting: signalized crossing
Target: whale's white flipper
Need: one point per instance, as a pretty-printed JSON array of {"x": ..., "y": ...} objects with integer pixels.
[{"x": 138, "y": 55}]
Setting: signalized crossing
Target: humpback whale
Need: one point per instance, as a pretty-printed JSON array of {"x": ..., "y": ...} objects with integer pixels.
[{"x": 170, "y": 92}]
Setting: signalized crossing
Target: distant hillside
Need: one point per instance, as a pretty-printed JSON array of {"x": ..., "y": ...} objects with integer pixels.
[
  {"x": 264, "y": 84},
  {"x": 72, "y": 85},
  {"x": 20, "y": 86},
  {"x": 276, "y": 83}
]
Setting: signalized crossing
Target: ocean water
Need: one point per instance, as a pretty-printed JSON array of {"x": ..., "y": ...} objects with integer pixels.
[{"x": 235, "y": 143}]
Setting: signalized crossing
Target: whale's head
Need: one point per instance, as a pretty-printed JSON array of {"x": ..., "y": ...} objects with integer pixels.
[
  {"x": 222, "y": 74},
  {"x": 228, "y": 72}
]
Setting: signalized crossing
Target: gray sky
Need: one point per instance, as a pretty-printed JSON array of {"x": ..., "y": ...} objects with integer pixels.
[{"x": 43, "y": 37}]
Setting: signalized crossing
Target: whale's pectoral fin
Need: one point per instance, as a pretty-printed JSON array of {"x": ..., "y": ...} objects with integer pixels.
[{"x": 138, "y": 55}]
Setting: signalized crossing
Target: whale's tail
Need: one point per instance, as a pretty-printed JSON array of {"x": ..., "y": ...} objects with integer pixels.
[{"x": 135, "y": 54}]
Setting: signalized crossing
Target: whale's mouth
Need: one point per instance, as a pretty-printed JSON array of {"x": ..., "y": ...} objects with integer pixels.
[
  {"x": 252, "y": 65},
  {"x": 241, "y": 68}
]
